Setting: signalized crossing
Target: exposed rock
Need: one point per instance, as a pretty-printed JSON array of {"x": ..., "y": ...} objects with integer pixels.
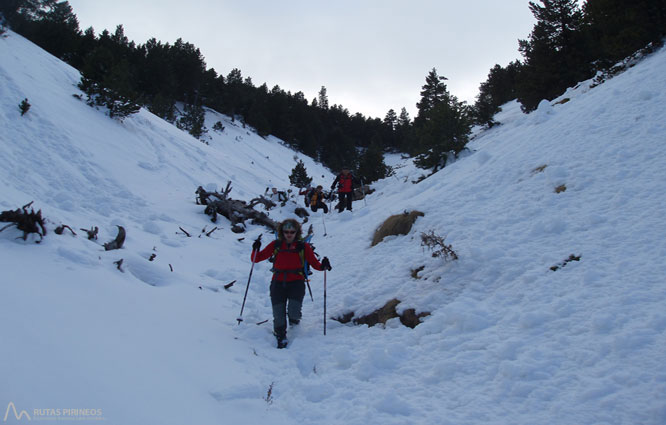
[{"x": 408, "y": 318}]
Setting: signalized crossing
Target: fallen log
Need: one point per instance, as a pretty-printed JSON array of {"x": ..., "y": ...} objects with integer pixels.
[{"x": 236, "y": 211}]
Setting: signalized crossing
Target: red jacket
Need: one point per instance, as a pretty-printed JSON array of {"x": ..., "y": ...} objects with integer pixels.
[
  {"x": 288, "y": 266},
  {"x": 345, "y": 183}
]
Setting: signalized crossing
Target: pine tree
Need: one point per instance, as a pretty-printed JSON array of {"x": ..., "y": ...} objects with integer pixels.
[
  {"x": 118, "y": 106},
  {"x": 432, "y": 93},
  {"x": 299, "y": 176},
  {"x": 442, "y": 125},
  {"x": 555, "y": 55},
  {"x": 193, "y": 120},
  {"x": 164, "y": 107},
  {"x": 403, "y": 132},
  {"x": 499, "y": 88},
  {"x": 256, "y": 118},
  {"x": 617, "y": 28},
  {"x": 322, "y": 98},
  {"x": 371, "y": 165},
  {"x": 404, "y": 120},
  {"x": 391, "y": 119}
]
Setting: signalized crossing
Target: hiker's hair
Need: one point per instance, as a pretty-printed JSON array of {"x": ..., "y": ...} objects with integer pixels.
[{"x": 296, "y": 225}]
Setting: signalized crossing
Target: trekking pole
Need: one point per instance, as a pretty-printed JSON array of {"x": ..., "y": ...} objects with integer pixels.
[
  {"x": 305, "y": 263},
  {"x": 324, "y": 302},
  {"x": 254, "y": 256},
  {"x": 307, "y": 281},
  {"x": 323, "y": 222},
  {"x": 363, "y": 191}
]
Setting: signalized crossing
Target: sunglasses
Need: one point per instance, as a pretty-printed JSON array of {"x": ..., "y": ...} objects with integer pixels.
[{"x": 289, "y": 232}]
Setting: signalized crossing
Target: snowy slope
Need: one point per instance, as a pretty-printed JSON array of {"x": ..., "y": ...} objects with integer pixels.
[{"x": 508, "y": 340}]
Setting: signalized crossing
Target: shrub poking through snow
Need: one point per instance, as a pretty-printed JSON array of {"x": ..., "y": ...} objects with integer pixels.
[
  {"x": 571, "y": 258},
  {"x": 24, "y": 106},
  {"x": 399, "y": 224},
  {"x": 415, "y": 272},
  {"x": 561, "y": 188},
  {"x": 269, "y": 394},
  {"x": 438, "y": 246},
  {"x": 539, "y": 169}
]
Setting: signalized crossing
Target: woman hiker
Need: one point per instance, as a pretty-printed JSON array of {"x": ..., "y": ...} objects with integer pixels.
[{"x": 288, "y": 253}]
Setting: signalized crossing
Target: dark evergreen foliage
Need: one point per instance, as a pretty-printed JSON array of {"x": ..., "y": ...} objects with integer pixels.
[
  {"x": 499, "y": 88},
  {"x": 322, "y": 98},
  {"x": 391, "y": 119},
  {"x": 372, "y": 166},
  {"x": 299, "y": 176},
  {"x": 617, "y": 28},
  {"x": 566, "y": 45},
  {"x": 192, "y": 120},
  {"x": 118, "y": 106},
  {"x": 443, "y": 123},
  {"x": 121, "y": 75},
  {"x": 555, "y": 54},
  {"x": 24, "y": 106}
]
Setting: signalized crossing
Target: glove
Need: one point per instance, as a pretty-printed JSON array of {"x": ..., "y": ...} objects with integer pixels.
[
  {"x": 256, "y": 246},
  {"x": 325, "y": 264}
]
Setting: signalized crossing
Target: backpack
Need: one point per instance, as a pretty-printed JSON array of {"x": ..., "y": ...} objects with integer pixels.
[{"x": 300, "y": 248}]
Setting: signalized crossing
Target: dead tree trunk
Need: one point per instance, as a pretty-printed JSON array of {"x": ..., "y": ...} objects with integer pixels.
[{"x": 237, "y": 212}]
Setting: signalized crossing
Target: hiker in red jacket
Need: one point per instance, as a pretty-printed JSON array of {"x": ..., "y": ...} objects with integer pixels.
[
  {"x": 288, "y": 253},
  {"x": 345, "y": 181}
]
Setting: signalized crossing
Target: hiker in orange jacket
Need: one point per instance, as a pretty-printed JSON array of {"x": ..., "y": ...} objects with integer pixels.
[
  {"x": 317, "y": 199},
  {"x": 288, "y": 253}
]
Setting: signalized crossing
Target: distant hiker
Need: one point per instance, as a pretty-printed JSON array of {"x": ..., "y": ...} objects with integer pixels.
[
  {"x": 278, "y": 196},
  {"x": 345, "y": 181},
  {"x": 317, "y": 200},
  {"x": 288, "y": 254},
  {"x": 307, "y": 193}
]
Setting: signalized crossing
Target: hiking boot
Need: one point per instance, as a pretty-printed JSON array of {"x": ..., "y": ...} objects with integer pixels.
[
  {"x": 282, "y": 342},
  {"x": 294, "y": 322}
]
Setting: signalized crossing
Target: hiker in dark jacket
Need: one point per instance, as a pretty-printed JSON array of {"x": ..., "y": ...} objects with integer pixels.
[
  {"x": 345, "y": 181},
  {"x": 288, "y": 253},
  {"x": 317, "y": 198}
]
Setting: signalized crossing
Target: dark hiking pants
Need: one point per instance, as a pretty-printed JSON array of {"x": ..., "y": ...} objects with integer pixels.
[
  {"x": 287, "y": 300},
  {"x": 320, "y": 205},
  {"x": 345, "y": 201}
]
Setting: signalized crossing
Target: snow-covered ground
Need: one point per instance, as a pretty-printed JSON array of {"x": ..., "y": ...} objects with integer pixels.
[{"x": 508, "y": 341}]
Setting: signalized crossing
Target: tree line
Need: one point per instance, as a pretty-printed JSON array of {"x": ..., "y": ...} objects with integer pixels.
[{"x": 568, "y": 43}]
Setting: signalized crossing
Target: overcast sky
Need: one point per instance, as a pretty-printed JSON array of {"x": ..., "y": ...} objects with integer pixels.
[{"x": 372, "y": 55}]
